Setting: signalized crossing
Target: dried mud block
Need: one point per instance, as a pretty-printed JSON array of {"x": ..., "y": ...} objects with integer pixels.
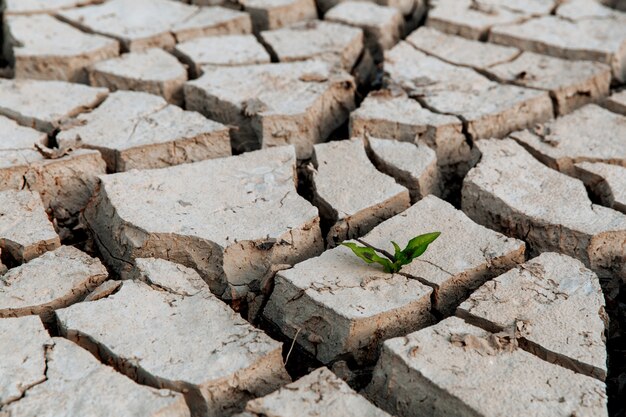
[
  {"x": 571, "y": 84},
  {"x": 24, "y": 342},
  {"x": 134, "y": 130},
  {"x": 11, "y": 7},
  {"x": 297, "y": 103},
  {"x": 337, "y": 306},
  {"x": 77, "y": 381},
  {"x": 460, "y": 51},
  {"x": 590, "y": 133},
  {"x": 212, "y": 21},
  {"x": 392, "y": 114},
  {"x": 46, "y": 105},
  {"x": 555, "y": 308},
  {"x": 191, "y": 344},
  {"x": 64, "y": 185},
  {"x": 511, "y": 191},
  {"x": 576, "y": 32},
  {"x": 382, "y": 25},
  {"x": 41, "y": 47},
  {"x": 351, "y": 194},
  {"x": 274, "y": 14},
  {"x": 474, "y": 19},
  {"x": 162, "y": 23},
  {"x": 176, "y": 278},
  {"x": 14, "y": 136},
  {"x": 412, "y": 165},
  {"x": 489, "y": 109},
  {"x": 436, "y": 372},
  {"x": 225, "y": 50},
  {"x": 463, "y": 257},
  {"x": 152, "y": 71},
  {"x": 316, "y": 39},
  {"x": 606, "y": 182},
  {"x": 319, "y": 393},
  {"x": 586, "y": 9},
  {"x": 54, "y": 280},
  {"x": 617, "y": 102},
  {"x": 405, "y": 7},
  {"x": 25, "y": 230},
  {"x": 223, "y": 231}
]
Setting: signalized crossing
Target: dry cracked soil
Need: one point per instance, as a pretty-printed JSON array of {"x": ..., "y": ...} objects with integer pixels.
[{"x": 177, "y": 177}]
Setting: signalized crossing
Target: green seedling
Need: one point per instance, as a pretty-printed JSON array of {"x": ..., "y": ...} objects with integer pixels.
[{"x": 393, "y": 263}]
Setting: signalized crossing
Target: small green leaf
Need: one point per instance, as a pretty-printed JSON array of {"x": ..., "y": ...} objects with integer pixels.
[
  {"x": 418, "y": 245},
  {"x": 386, "y": 263},
  {"x": 369, "y": 255},
  {"x": 396, "y": 247},
  {"x": 389, "y": 268},
  {"x": 424, "y": 239},
  {"x": 393, "y": 263},
  {"x": 400, "y": 257}
]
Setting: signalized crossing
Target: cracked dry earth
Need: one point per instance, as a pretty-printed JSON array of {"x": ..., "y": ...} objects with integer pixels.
[{"x": 176, "y": 178}]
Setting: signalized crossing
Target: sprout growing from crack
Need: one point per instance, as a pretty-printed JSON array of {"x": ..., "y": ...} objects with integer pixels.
[{"x": 393, "y": 263}]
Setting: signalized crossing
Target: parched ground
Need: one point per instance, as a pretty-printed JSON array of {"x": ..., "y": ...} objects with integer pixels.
[{"x": 177, "y": 177}]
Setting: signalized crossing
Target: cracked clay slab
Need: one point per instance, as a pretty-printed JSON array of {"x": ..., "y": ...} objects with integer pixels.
[
  {"x": 25, "y": 230},
  {"x": 202, "y": 54},
  {"x": 163, "y": 22},
  {"x": 64, "y": 184},
  {"x": 489, "y": 109},
  {"x": 438, "y": 369},
  {"x": 41, "y": 6},
  {"x": 464, "y": 256},
  {"x": 412, "y": 165},
  {"x": 152, "y": 71},
  {"x": 274, "y": 14},
  {"x": 474, "y": 19},
  {"x": 352, "y": 195},
  {"x": 223, "y": 230},
  {"x": 14, "y": 137},
  {"x": 76, "y": 381},
  {"x": 391, "y": 114},
  {"x": 514, "y": 193},
  {"x": 589, "y": 134},
  {"x": 289, "y": 103},
  {"x": 316, "y": 39},
  {"x": 571, "y": 84},
  {"x": 555, "y": 308},
  {"x": 42, "y": 47},
  {"x": 23, "y": 341},
  {"x": 46, "y": 105},
  {"x": 319, "y": 393},
  {"x": 336, "y": 305},
  {"x": 135, "y": 130},
  {"x": 382, "y": 25},
  {"x": 193, "y": 344},
  {"x": 54, "y": 280},
  {"x": 579, "y": 30}
]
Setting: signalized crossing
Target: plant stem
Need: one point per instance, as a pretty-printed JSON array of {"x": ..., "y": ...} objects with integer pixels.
[{"x": 384, "y": 252}]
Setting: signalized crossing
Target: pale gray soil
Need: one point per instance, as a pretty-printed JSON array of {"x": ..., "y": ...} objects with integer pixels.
[{"x": 177, "y": 177}]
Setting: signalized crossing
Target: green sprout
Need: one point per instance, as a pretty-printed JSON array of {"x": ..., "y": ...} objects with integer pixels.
[{"x": 393, "y": 263}]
